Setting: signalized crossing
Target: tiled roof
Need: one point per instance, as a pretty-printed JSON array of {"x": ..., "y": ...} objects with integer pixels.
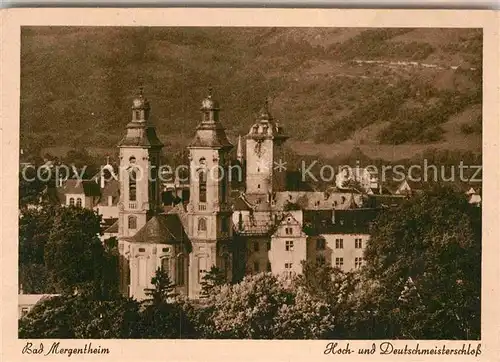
[
  {"x": 86, "y": 187},
  {"x": 240, "y": 204},
  {"x": 355, "y": 221},
  {"x": 317, "y": 200},
  {"x": 113, "y": 229},
  {"x": 162, "y": 229}
]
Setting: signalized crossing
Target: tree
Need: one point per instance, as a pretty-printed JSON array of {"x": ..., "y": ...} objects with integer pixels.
[
  {"x": 77, "y": 316},
  {"x": 214, "y": 278},
  {"x": 34, "y": 229},
  {"x": 333, "y": 287},
  {"x": 74, "y": 254},
  {"x": 263, "y": 306},
  {"x": 164, "y": 288},
  {"x": 30, "y": 187},
  {"x": 425, "y": 260},
  {"x": 162, "y": 316}
]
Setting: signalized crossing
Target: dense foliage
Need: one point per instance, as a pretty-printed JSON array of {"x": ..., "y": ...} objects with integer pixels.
[
  {"x": 60, "y": 251},
  {"x": 422, "y": 280}
]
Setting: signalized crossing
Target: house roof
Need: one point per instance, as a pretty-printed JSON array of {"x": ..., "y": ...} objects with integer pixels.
[
  {"x": 240, "y": 204},
  {"x": 286, "y": 220},
  {"x": 316, "y": 200},
  {"x": 113, "y": 228},
  {"x": 355, "y": 221},
  {"x": 85, "y": 187},
  {"x": 161, "y": 229}
]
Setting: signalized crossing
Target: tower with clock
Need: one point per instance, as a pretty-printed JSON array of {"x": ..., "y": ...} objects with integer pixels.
[{"x": 264, "y": 148}]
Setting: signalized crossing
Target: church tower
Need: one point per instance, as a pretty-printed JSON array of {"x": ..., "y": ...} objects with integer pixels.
[
  {"x": 209, "y": 213},
  {"x": 139, "y": 163},
  {"x": 263, "y": 148}
]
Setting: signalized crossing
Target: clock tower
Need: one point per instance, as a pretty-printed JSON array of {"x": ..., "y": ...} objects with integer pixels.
[{"x": 264, "y": 145}]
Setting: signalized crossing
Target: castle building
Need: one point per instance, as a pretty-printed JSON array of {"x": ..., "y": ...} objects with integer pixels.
[{"x": 264, "y": 228}]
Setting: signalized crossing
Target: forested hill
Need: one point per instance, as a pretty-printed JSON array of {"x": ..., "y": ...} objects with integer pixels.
[{"x": 333, "y": 89}]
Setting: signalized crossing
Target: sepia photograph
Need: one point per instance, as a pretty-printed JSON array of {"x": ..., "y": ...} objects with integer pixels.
[{"x": 250, "y": 183}]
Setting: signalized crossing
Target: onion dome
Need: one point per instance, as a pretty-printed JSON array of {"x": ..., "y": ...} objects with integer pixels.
[
  {"x": 140, "y": 102},
  {"x": 210, "y": 132},
  {"x": 209, "y": 104}
]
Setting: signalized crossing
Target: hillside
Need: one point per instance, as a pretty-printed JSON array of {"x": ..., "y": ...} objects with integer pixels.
[{"x": 388, "y": 91}]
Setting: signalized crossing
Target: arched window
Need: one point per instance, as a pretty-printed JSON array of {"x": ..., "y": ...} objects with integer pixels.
[
  {"x": 203, "y": 186},
  {"x": 202, "y": 224},
  {"x": 132, "y": 222},
  {"x": 79, "y": 202},
  {"x": 132, "y": 185},
  {"x": 179, "y": 280},
  {"x": 72, "y": 201}
]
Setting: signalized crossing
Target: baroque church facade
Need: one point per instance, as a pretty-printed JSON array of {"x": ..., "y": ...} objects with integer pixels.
[{"x": 264, "y": 228}]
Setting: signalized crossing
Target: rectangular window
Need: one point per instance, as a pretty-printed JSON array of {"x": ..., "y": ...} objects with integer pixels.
[
  {"x": 358, "y": 262},
  {"x": 256, "y": 246},
  {"x": 24, "y": 311},
  {"x": 339, "y": 262},
  {"x": 288, "y": 231},
  {"x": 288, "y": 270},
  {"x": 289, "y": 245},
  {"x": 358, "y": 243},
  {"x": 256, "y": 267},
  {"x": 320, "y": 244},
  {"x": 202, "y": 268},
  {"x": 339, "y": 243}
]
